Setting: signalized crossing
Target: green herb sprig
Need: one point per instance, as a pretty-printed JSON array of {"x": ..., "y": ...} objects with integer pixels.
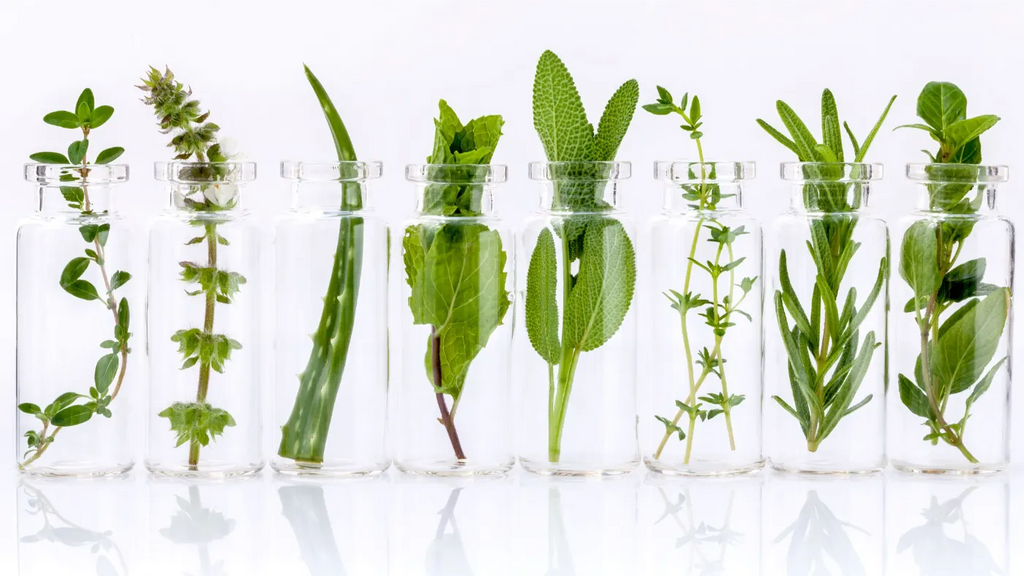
[
  {"x": 956, "y": 351},
  {"x": 718, "y": 312},
  {"x": 304, "y": 435},
  {"x": 198, "y": 423},
  {"x": 72, "y": 408},
  {"x": 456, "y": 271},
  {"x": 597, "y": 297},
  {"x": 827, "y": 358}
]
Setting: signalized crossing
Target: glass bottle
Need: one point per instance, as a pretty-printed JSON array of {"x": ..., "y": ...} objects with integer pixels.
[
  {"x": 703, "y": 409},
  {"x": 453, "y": 413},
  {"x": 583, "y": 335},
  {"x": 79, "y": 355},
  {"x": 952, "y": 305},
  {"x": 828, "y": 263},
  {"x": 332, "y": 284},
  {"x": 204, "y": 325}
]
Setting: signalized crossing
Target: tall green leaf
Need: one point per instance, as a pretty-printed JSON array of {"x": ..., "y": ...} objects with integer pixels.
[
  {"x": 541, "y": 300},
  {"x": 968, "y": 340},
  {"x": 558, "y": 113}
]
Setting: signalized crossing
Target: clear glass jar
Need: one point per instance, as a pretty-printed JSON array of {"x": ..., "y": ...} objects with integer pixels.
[
  {"x": 578, "y": 239},
  {"x": 453, "y": 401},
  {"x": 956, "y": 264},
  {"x": 204, "y": 325},
  {"x": 828, "y": 263},
  {"x": 332, "y": 283},
  {"x": 702, "y": 413},
  {"x": 79, "y": 355}
]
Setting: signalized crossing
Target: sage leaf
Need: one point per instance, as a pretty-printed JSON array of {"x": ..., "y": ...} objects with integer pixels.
[
  {"x": 558, "y": 114},
  {"x": 615, "y": 120},
  {"x": 541, "y": 299},
  {"x": 603, "y": 292}
]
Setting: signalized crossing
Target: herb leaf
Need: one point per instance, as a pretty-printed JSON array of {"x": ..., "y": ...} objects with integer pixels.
[
  {"x": 615, "y": 120},
  {"x": 541, "y": 300},
  {"x": 558, "y": 113}
]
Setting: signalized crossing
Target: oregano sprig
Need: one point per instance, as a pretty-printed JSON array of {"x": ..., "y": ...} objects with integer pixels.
[
  {"x": 198, "y": 423},
  {"x": 717, "y": 312},
  {"x": 71, "y": 408}
]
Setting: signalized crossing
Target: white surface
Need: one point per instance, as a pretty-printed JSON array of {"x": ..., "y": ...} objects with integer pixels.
[{"x": 386, "y": 65}]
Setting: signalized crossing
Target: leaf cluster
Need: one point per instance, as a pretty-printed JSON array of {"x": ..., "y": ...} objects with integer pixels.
[
  {"x": 222, "y": 284},
  {"x": 943, "y": 108},
  {"x": 471, "y": 147},
  {"x": 197, "y": 422},
  {"x": 802, "y": 142},
  {"x": 86, "y": 117},
  {"x": 665, "y": 106}
]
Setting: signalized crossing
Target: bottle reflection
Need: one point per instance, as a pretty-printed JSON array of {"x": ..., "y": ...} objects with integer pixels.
[
  {"x": 446, "y": 556},
  {"x": 704, "y": 525},
  {"x": 949, "y": 527},
  {"x": 559, "y": 553},
  {"x": 306, "y": 511},
  {"x": 825, "y": 526},
  {"x": 74, "y": 538},
  {"x": 199, "y": 526}
]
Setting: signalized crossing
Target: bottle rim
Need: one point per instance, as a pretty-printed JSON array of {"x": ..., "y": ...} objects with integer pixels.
[
  {"x": 186, "y": 172},
  {"x": 830, "y": 171},
  {"x": 689, "y": 171},
  {"x": 580, "y": 171},
  {"x": 71, "y": 174},
  {"x": 957, "y": 173},
  {"x": 457, "y": 173},
  {"x": 338, "y": 171}
]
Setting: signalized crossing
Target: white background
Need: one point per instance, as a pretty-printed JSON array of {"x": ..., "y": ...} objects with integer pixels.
[{"x": 386, "y": 65}]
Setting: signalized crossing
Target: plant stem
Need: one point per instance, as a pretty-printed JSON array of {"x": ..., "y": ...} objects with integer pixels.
[
  {"x": 204, "y": 366},
  {"x": 446, "y": 417},
  {"x": 727, "y": 406}
]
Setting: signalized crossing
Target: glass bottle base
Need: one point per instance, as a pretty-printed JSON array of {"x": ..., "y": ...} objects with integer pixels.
[
  {"x": 205, "y": 471},
  {"x": 76, "y": 470},
  {"x": 823, "y": 469},
  {"x": 567, "y": 469},
  {"x": 338, "y": 469},
  {"x": 948, "y": 469},
  {"x": 453, "y": 468},
  {"x": 703, "y": 469}
]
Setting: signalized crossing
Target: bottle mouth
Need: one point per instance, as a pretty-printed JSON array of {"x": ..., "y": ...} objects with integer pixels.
[
  {"x": 830, "y": 171},
  {"x": 65, "y": 174},
  {"x": 183, "y": 172},
  {"x": 590, "y": 171},
  {"x": 957, "y": 173},
  {"x": 686, "y": 172},
  {"x": 457, "y": 173},
  {"x": 341, "y": 171}
]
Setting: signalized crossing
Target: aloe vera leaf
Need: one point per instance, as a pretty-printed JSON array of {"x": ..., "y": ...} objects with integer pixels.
[{"x": 304, "y": 435}]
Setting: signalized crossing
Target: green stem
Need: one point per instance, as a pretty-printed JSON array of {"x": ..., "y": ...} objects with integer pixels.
[
  {"x": 727, "y": 406},
  {"x": 566, "y": 371},
  {"x": 204, "y": 366}
]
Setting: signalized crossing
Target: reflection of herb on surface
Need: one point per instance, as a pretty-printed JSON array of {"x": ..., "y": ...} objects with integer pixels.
[
  {"x": 956, "y": 351},
  {"x": 719, "y": 310},
  {"x": 456, "y": 270},
  {"x": 825, "y": 365},
  {"x": 306, "y": 511},
  {"x": 60, "y": 530},
  {"x": 195, "y": 524},
  {"x": 698, "y": 535},
  {"x": 597, "y": 297},
  {"x": 935, "y": 552},
  {"x": 818, "y": 535},
  {"x": 446, "y": 555}
]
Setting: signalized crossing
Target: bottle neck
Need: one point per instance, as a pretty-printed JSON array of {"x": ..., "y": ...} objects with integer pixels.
[
  {"x": 454, "y": 199},
  {"x": 329, "y": 196},
  {"x": 828, "y": 197},
  {"x": 707, "y": 196},
  {"x": 959, "y": 198},
  {"x": 74, "y": 200},
  {"x": 581, "y": 196},
  {"x": 205, "y": 197}
]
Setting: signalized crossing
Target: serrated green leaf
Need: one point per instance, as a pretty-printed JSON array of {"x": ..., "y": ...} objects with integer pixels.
[
  {"x": 615, "y": 120},
  {"x": 558, "y": 113},
  {"x": 603, "y": 292}
]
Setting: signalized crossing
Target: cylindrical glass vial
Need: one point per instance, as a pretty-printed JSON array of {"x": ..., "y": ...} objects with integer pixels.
[
  {"x": 826, "y": 333},
  {"x": 78, "y": 350},
  {"x": 578, "y": 274},
  {"x": 453, "y": 411},
  {"x": 331, "y": 386},
  {"x": 703, "y": 410},
  {"x": 952, "y": 305},
  {"x": 204, "y": 325}
]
